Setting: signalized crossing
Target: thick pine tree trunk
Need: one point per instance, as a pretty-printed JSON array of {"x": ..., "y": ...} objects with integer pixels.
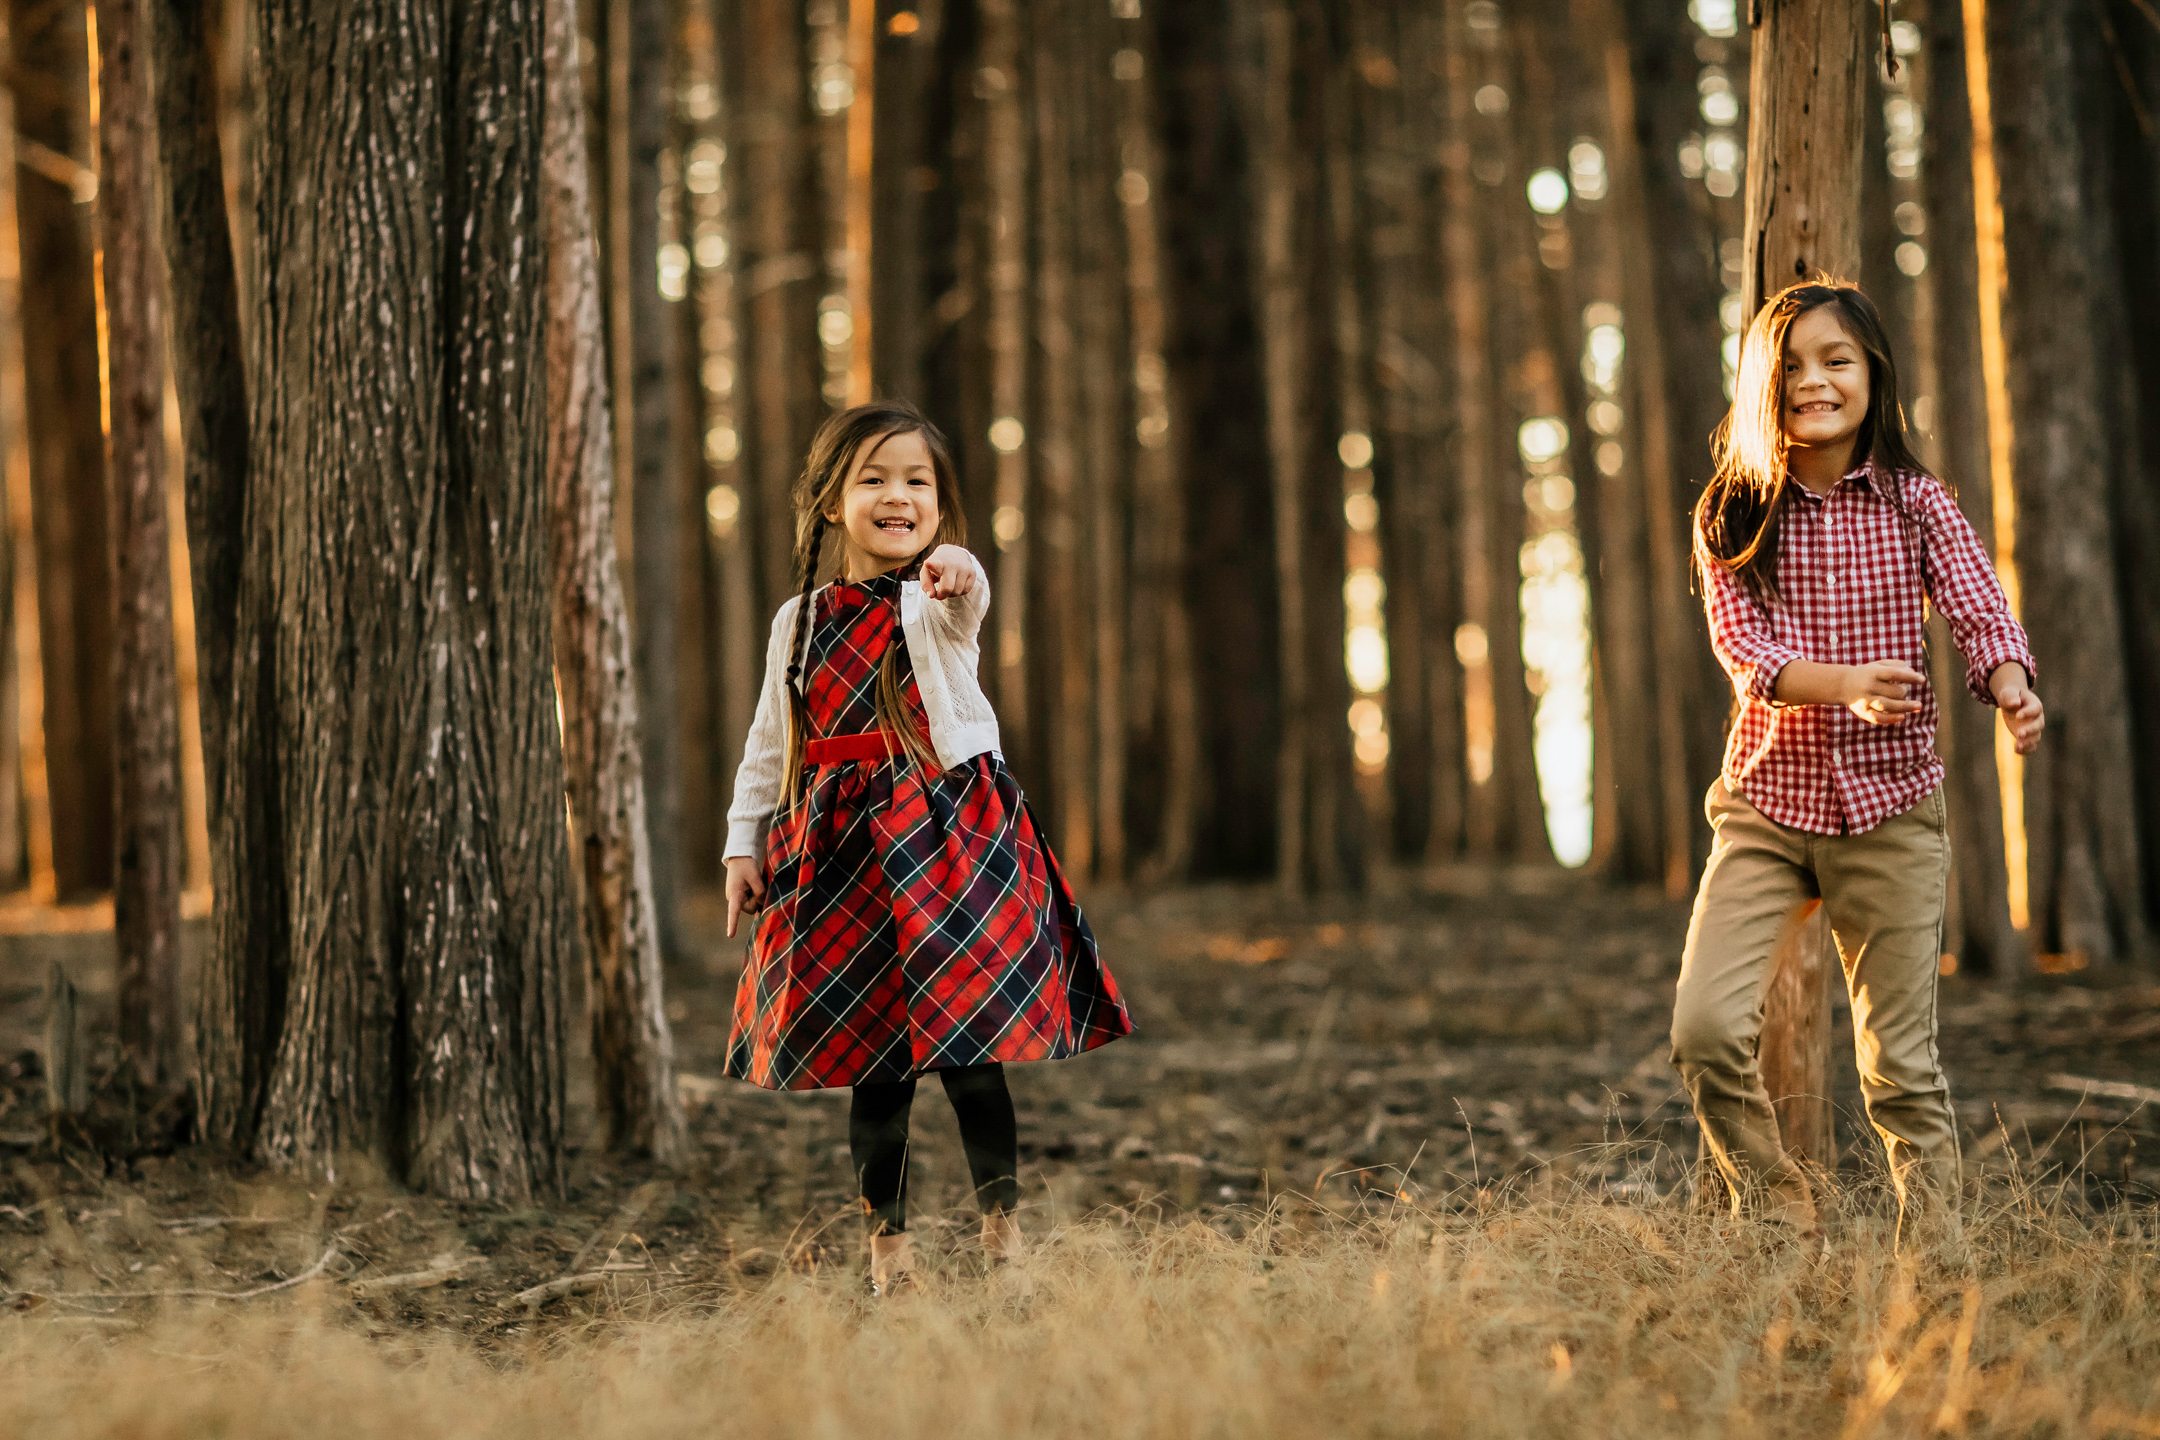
[
  {"x": 149, "y": 863},
  {"x": 2061, "y": 313},
  {"x": 67, "y": 443},
  {"x": 398, "y": 392},
  {"x": 633, "y": 1052},
  {"x": 1803, "y": 218},
  {"x": 240, "y": 994},
  {"x": 1212, "y": 358}
]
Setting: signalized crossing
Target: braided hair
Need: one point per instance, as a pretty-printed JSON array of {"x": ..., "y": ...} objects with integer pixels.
[
  {"x": 834, "y": 452},
  {"x": 1740, "y": 510}
]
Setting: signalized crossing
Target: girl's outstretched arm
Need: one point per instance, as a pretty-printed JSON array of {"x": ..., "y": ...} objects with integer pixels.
[
  {"x": 954, "y": 577},
  {"x": 1999, "y": 665},
  {"x": 758, "y": 778}
]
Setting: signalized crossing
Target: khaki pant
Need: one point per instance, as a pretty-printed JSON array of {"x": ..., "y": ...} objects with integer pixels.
[{"x": 1884, "y": 892}]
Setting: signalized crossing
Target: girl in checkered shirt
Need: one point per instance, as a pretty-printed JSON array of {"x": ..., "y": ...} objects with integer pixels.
[
  {"x": 909, "y": 914},
  {"x": 1820, "y": 543}
]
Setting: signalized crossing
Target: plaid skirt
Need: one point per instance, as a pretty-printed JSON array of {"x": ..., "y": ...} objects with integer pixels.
[{"x": 912, "y": 921}]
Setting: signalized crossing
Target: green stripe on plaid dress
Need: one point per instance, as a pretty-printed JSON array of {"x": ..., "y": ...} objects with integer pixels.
[{"x": 912, "y": 922}]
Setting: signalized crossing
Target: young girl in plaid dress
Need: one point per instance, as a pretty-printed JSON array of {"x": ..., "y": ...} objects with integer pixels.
[
  {"x": 1820, "y": 542},
  {"x": 910, "y": 916}
]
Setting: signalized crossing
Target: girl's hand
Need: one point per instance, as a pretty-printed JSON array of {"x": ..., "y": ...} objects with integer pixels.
[
  {"x": 1879, "y": 692},
  {"x": 949, "y": 571},
  {"x": 745, "y": 889},
  {"x": 2022, "y": 714}
]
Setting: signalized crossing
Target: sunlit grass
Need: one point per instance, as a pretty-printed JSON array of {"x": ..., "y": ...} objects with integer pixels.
[{"x": 1496, "y": 1314}]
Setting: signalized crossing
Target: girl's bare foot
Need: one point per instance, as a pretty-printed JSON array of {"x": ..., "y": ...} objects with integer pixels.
[
  {"x": 1007, "y": 1251},
  {"x": 892, "y": 1265}
]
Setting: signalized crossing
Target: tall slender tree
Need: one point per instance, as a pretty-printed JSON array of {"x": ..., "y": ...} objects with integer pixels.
[
  {"x": 149, "y": 864},
  {"x": 53, "y": 175},
  {"x": 633, "y": 1052}
]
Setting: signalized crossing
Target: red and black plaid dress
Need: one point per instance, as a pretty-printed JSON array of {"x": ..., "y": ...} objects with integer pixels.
[{"x": 912, "y": 921}]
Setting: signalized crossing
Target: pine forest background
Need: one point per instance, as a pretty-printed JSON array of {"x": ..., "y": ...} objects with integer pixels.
[{"x": 1330, "y": 380}]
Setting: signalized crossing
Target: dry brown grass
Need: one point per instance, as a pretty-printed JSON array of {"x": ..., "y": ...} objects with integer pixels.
[{"x": 1513, "y": 1314}]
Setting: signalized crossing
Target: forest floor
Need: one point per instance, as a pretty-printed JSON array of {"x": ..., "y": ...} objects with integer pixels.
[{"x": 1310, "y": 1082}]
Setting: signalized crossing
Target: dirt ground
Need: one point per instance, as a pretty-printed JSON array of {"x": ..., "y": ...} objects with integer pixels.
[{"x": 1447, "y": 1036}]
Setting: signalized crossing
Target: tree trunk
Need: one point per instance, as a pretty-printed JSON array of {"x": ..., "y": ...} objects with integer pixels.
[
  {"x": 1647, "y": 438},
  {"x": 655, "y": 508},
  {"x": 1686, "y": 278},
  {"x": 1158, "y": 723},
  {"x": 2125, "y": 120},
  {"x": 1807, "y": 99},
  {"x": 1803, "y": 219},
  {"x": 633, "y": 1052},
  {"x": 1989, "y": 944},
  {"x": 241, "y": 992},
  {"x": 776, "y": 260},
  {"x": 67, "y": 441},
  {"x": 1104, "y": 356},
  {"x": 149, "y": 864},
  {"x": 1060, "y": 645},
  {"x": 398, "y": 387},
  {"x": 1629, "y": 800},
  {"x": 2060, "y": 313},
  {"x": 1216, "y": 389},
  {"x": 1795, "y": 1055},
  {"x": 1004, "y": 385}
]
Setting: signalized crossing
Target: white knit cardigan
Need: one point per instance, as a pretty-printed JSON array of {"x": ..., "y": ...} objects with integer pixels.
[{"x": 941, "y": 648}]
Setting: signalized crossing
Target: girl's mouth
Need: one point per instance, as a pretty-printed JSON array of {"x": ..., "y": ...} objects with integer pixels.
[{"x": 896, "y": 526}]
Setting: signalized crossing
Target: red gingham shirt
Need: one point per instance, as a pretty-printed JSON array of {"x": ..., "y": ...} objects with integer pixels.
[{"x": 1849, "y": 588}]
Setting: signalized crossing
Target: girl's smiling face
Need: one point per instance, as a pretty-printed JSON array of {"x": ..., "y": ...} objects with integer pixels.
[
  {"x": 1824, "y": 401},
  {"x": 888, "y": 510}
]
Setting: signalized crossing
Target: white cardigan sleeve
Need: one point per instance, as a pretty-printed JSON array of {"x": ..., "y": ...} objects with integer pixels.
[{"x": 758, "y": 779}]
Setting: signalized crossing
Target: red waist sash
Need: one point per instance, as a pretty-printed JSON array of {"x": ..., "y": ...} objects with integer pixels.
[{"x": 870, "y": 745}]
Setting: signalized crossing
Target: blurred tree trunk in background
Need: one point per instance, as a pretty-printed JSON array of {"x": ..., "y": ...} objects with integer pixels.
[
  {"x": 399, "y": 394},
  {"x": 53, "y": 176},
  {"x": 149, "y": 862},
  {"x": 1219, "y": 439},
  {"x": 1162, "y": 775},
  {"x": 2125, "y": 122},
  {"x": 1987, "y": 943},
  {"x": 1061, "y": 643},
  {"x": 773, "y": 201},
  {"x": 1524, "y": 369},
  {"x": 633, "y": 1052},
  {"x": 654, "y": 462},
  {"x": 240, "y": 997},
  {"x": 2062, "y": 319},
  {"x": 1681, "y": 228}
]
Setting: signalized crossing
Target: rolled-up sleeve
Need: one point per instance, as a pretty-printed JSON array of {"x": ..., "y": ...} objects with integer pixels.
[
  {"x": 1969, "y": 597},
  {"x": 1740, "y": 633}
]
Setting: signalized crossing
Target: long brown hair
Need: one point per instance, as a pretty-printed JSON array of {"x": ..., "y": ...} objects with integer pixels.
[
  {"x": 1738, "y": 514},
  {"x": 818, "y": 490}
]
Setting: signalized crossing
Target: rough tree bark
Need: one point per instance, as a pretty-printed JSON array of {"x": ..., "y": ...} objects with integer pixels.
[
  {"x": 2061, "y": 313},
  {"x": 241, "y": 989},
  {"x": 1807, "y": 97},
  {"x": 633, "y": 1052},
  {"x": 398, "y": 386},
  {"x": 67, "y": 441},
  {"x": 149, "y": 860}
]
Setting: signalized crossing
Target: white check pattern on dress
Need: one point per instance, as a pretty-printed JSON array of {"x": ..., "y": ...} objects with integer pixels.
[{"x": 1850, "y": 592}]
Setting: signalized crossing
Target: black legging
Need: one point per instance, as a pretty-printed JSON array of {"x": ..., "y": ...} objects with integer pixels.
[{"x": 878, "y": 1139}]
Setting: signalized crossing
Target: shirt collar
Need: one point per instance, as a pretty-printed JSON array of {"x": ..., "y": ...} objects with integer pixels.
[{"x": 1862, "y": 475}]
